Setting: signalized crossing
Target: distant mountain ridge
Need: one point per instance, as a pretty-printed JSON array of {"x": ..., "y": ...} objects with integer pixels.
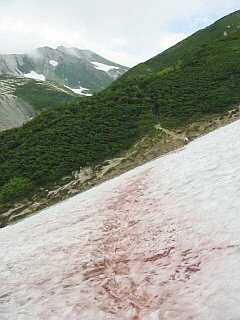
[
  {"x": 81, "y": 70},
  {"x": 47, "y": 77}
]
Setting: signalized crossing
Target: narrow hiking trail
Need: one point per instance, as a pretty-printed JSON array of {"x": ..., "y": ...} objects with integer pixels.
[
  {"x": 160, "y": 242},
  {"x": 170, "y": 133}
]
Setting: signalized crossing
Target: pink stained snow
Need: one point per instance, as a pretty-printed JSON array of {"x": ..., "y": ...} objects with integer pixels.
[{"x": 161, "y": 242}]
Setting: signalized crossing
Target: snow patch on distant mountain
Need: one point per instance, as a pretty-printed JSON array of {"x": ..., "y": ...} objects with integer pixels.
[
  {"x": 34, "y": 75},
  {"x": 81, "y": 91},
  {"x": 103, "y": 67},
  {"x": 53, "y": 63}
]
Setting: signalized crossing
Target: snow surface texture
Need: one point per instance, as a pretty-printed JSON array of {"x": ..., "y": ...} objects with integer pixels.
[
  {"x": 34, "y": 75},
  {"x": 53, "y": 63},
  {"x": 103, "y": 67},
  {"x": 160, "y": 242}
]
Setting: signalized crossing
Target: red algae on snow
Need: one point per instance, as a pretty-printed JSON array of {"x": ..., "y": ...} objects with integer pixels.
[{"x": 160, "y": 242}]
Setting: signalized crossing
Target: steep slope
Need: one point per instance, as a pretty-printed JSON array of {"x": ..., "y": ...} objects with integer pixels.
[
  {"x": 82, "y": 70},
  {"x": 198, "y": 76},
  {"x": 23, "y": 99},
  {"x": 160, "y": 242},
  {"x": 201, "y": 87}
]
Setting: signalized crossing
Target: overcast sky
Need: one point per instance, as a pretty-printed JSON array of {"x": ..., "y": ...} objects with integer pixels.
[{"x": 125, "y": 31}]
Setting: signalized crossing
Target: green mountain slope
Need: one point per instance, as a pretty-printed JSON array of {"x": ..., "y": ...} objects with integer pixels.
[
  {"x": 44, "y": 95},
  {"x": 199, "y": 75},
  {"x": 194, "y": 80},
  {"x": 64, "y": 139}
]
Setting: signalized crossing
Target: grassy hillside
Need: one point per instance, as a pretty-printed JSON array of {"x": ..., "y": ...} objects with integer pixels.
[
  {"x": 199, "y": 77},
  {"x": 44, "y": 95}
]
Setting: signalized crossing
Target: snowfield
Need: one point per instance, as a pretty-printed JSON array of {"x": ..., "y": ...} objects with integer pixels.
[
  {"x": 160, "y": 242},
  {"x": 34, "y": 75},
  {"x": 82, "y": 91},
  {"x": 103, "y": 67},
  {"x": 53, "y": 63}
]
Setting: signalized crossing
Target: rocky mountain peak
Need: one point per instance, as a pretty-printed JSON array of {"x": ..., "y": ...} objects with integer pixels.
[{"x": 75, "y": 68}]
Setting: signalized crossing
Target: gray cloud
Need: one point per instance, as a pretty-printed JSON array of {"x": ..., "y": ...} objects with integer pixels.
[{"x": 127, "y": 31}]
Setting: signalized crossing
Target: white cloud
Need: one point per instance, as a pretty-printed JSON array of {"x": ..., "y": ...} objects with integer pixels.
[{"x": 127, "y": 32}]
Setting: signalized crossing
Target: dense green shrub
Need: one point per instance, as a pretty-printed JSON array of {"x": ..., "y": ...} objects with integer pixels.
[
  {"x": 15, "y": 189},
  {"x": 64, "y": 139}
]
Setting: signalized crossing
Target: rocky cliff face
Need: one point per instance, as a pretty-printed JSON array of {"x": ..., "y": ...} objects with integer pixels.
[
  {"x": 14, "y": 112},
  {"x": 21, "y": 99},
  {"x": 82, "y": 70}
]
